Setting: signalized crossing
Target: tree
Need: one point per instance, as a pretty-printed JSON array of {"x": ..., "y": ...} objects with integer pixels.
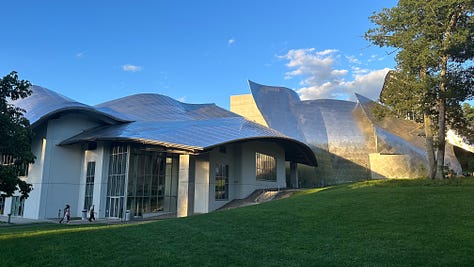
[
  {"x": 468, "y": 111},
  {"x": 15, "y": 137},
  {"x": 466, "y": 118},
  {"x": 434, "y": 41}
]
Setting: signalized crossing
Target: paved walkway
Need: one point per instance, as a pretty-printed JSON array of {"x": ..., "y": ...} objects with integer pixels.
[{"x": 20, "y": 220}]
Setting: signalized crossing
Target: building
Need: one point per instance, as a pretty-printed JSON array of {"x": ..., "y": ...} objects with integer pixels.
[
  {"x": 146, "y": 155},
  {"x": 351, "y": 144}
]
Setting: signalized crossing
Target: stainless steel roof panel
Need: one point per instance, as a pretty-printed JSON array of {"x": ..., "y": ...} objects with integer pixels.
[
  {"x": 198, "y": 134},
  {"x": 159, "y": 120},
  {"x": 154, "y": 107},
  {"x": 43, "y": 103}
]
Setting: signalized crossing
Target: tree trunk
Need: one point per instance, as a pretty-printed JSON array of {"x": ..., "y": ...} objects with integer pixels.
[
  {"x": 429, "y": 145},
  {"x": 428, "y": 123},
  {"x": 441, "y": 138},
  {"x": 442, "y": 95}
]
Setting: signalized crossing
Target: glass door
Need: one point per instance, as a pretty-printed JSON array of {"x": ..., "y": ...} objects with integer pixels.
[
  {"x": 17, "y": 206},
  {"x": 115, "y": 207}
]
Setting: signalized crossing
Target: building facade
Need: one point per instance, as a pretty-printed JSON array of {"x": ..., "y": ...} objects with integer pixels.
[
  {"x": 146, "y": 155},
  {"x": 349, "y": 142}
]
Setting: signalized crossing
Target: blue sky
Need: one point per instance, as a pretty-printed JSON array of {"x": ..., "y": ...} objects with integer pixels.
[{"x": 194, "y": 51}]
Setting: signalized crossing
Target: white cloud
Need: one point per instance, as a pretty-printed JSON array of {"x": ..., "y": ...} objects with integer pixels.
[
  {"x": 326, "y": 52},
  {"x": 131, "y": 68},
  {"x": 369, "y": 84},
  {"x": 316, "y": 67},
  {"x": 231, "y": 41},
  {"x": 321, "y": 76},
  {"x": 80, "y": 55},
  {"x": 353, "y": 60}
]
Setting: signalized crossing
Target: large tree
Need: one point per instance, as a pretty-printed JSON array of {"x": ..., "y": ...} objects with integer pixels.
[
  {"x": 434, "y": 41},
  {"x": 15, "y": 137}
]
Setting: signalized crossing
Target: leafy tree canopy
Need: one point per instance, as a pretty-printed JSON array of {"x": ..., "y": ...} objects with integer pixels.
[
  {"x": 15, "y": 137},
  {"x": 434, "y": 41}
]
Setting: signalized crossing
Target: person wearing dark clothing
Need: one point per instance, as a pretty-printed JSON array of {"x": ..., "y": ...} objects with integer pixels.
[
  {"x": 91, "y": 214},
  {"x": 67, "y": 214}
]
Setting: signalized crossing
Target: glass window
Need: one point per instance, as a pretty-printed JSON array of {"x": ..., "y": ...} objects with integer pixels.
[
  {"x": 222, "y": 182},
  {"x": 266, "y": 167},
  {"x": 17, "y": 207},
  {"x": 8, "y": 160},
  {"x": 147, "y": 182},
  {"x": 116, "y": 181},
  {"x": 90, "y": 176}
]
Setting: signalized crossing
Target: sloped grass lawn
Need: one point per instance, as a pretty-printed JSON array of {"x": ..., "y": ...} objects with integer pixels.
[{"x": 376, "y": 223}]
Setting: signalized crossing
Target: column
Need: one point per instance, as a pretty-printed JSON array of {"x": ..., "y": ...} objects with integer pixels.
[
  {"x": 294, "y": 174},
  {"x": 185, "y": 186}
]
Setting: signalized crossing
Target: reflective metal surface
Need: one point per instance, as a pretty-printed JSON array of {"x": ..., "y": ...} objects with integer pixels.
[
  {"x": 44, "y": 103},
  {"x": 160, "y": 120},
  {"x": 345, "y": 137}
]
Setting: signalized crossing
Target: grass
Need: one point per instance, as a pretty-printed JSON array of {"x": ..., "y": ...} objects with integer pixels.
[{"x": 375, "y": 223}]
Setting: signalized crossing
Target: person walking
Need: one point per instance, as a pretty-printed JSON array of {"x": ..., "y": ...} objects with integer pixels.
[
  {"x": 91, "y": 214},
  {"x": 67, "y": 214}
]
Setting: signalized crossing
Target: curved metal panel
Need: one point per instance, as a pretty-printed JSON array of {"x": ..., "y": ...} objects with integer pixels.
[
  {"x": 160, "y": 120},
  {"x": 43, "y": 103},
  {"x": 277, "y": 105},
  {"x": 344, "y": 135},
  {"x": 154, "y": 107},
  {"x": 332, "y": 128},
  {"x": 197, "y": 134}
]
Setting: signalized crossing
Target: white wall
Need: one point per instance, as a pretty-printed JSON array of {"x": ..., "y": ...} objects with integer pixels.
[
  {"x": 56, "y": 176},
  {"x": 97, "y": 156},
  {"x": 201, "y": 194},
  {"x": 216, "y": 158},
  {"x": 249, "y": 181},
  {"x": 242, "y": 170},
  {"x": 35, "y": 175}
]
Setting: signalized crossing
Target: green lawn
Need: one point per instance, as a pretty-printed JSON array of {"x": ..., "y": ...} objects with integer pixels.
[{"x": 376, "y": 223}]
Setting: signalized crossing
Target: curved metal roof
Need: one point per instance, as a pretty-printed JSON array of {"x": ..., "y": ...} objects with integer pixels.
[
  {"x": 160, "y": 120},
  {"x": 340, "y": 132},
  {"x": 321, "y": 122},
  {"x": 155, "y": 107},
  {"x": 278, "y": 106},
  {"x": 43, "y": 104}
]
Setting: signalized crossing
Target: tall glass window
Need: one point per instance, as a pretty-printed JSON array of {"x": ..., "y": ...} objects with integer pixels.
[
  {"x": 222, "y": 182},
  {"x": 171, "y": 183},
  {"x": 146, "y": 182},
  {"x": 266, "y": 167},
  {"x": 90, "y": 176},
  {"x": 152, "y": 182},
  {"x": 116, "y": 181}
]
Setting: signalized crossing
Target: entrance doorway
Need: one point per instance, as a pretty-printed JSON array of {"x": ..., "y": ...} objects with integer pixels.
[{"x": 115, "y": 207}]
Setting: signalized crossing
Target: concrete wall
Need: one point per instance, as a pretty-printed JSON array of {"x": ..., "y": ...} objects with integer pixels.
[
  {"x": 248, "y": 169},
  {"x": 245, "y": 106},
  {"x": 217, "y": 157},
  {"x": 242, "y": 170},
  {"x": 56, "y": 174},
  {"x": 100, "y": 179},
  {"x": 201, "y": 195},
  {"x": 34, "y": 204}
]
